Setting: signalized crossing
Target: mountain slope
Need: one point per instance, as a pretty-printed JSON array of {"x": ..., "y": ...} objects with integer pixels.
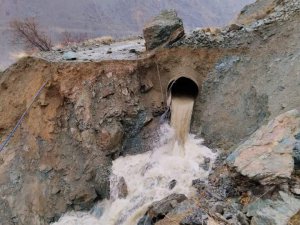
[{"x": 118, "y": 18}]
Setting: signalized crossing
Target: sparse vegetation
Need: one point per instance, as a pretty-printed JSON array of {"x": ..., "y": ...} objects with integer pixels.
[
  {"x": 104, "y": 40},
  {"x": 68, "y": 38},
  {"x": 28, "y": 33}
]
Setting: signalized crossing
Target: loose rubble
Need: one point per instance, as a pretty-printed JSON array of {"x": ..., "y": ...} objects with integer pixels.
[{"x": 239, "y": 35}]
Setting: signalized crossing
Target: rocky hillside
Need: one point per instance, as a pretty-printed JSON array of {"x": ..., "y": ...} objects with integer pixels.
[
  {"x": 114, "y": 17},
  {"x": 93, "y": 111}
]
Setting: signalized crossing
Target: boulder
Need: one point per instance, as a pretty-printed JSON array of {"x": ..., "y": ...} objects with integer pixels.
[
  {"x": 167, "y": 27},
  {"x": 267, "y": 156},
  {"x": 69, "y": 55},
  {"x": 145, "y": 220},
  {"x": 277, "y": 212},
  {"x": 160, "y": 209},
  {"x": 122, "y": 190}
]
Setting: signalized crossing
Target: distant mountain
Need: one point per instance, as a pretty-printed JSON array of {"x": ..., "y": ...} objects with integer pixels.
[{"x": 118, "y": 18}]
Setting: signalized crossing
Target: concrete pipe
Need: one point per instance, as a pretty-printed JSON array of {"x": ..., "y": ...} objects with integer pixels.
[{"x": 182, "y": 86}]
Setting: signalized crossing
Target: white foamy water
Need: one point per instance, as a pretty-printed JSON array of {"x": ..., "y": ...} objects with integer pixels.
[{"x": 148, "y": 175}]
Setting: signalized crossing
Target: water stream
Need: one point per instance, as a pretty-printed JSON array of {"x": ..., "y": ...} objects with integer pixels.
[{"x": 147, "y": 176}]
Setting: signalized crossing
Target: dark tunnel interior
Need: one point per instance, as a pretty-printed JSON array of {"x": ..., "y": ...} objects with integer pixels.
[{"x": 183, "y": 86}]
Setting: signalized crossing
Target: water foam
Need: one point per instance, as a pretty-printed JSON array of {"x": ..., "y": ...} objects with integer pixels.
[{"x": 147, "y": 176}]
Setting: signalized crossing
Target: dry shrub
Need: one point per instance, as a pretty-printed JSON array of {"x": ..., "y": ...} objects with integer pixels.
[
  {"x": 104, "y": 40},
  {"x": 28, "y": 33},
  {"x": 67, "y": 38}
]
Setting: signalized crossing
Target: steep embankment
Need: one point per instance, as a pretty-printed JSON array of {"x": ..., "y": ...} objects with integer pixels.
[{"x": 91, "y": 112}]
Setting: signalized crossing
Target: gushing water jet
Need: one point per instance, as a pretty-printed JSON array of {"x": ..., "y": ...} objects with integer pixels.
[{"x": 182, "y": 92}]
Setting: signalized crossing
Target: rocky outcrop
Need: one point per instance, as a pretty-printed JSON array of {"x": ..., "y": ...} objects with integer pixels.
[
  {"x": 277, "y": 212},
  {"x": 60, "y": 158},
  {"x": 166, "y": 28},
  {"x": 255, "y": 11},
  {"x": 245, "y": 90},
  {"x": 267, "y": 156}
]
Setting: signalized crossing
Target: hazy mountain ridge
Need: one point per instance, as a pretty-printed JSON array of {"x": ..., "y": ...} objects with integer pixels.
[{"x": 118, "y": 18}]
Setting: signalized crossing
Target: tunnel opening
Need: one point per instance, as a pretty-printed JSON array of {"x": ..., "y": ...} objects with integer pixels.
[{"x": 183, "y": 86}]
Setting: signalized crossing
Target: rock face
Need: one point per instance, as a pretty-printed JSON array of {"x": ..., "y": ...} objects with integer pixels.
[
  {"x": 267, "y": 156},
  {"x": 279, "y": 212},
  {"x": 60, "y": 158},
  {"x": 163, "y": 29}
]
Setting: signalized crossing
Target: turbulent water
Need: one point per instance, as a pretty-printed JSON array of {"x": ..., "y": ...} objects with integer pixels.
[{"x": 148, "y": 175}]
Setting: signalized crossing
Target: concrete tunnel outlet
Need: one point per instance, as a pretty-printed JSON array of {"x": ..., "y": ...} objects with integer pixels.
[{"x": 183, "y": 86}]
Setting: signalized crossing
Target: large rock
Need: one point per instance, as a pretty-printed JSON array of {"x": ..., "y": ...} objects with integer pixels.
[
  {"x": 279, "y": 212},
  {"x": 158, "y": 210},
  {"x": 267, "y": 156},
  {"x": 162, "y": 207},
  {"x": 165, "y": 28}
]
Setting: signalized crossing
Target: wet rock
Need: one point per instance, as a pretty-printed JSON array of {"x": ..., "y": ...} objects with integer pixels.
[
  {"x": 118, "y": 187},
  {"x": 145, "y": 220},
  {"x": 122, "y": 188},
  {"x": 160, "y": 209},
  {"x": 172, "y": 184},
  {"x": 267, "y": 156},
  {"x": 297, "y": 152},
  {"x": 206, "y": 164},
  {"x": 199, "y": 184},
  {"x": 165, "y": 28},
  {"x": 278, "y": 212},
  {"x": 69, "y": 55},
  {"x": 198, "y": 217}
]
